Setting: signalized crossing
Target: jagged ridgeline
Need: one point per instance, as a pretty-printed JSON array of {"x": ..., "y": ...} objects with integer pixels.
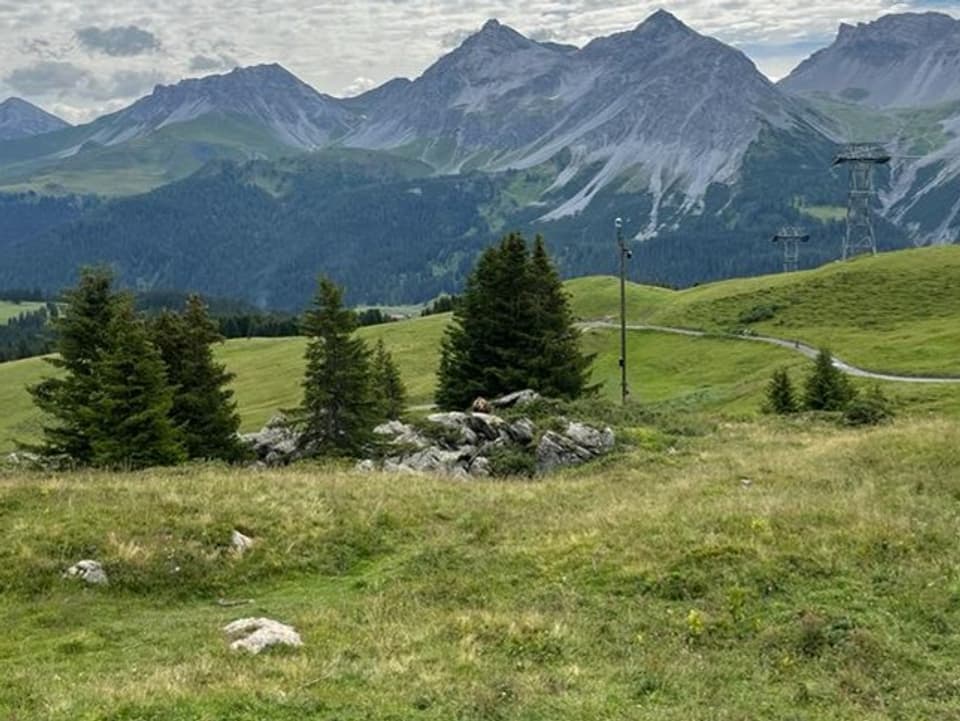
[{"x": 247, "y": 184}]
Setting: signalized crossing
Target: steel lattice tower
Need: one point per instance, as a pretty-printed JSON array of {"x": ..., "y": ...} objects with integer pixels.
[
  {"x": 862, "y": 159},
  {"x": 791, "y": 238}
]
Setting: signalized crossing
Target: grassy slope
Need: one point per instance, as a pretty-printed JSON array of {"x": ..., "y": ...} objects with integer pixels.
[
  {"x": 910, "y": 325},
  {"x": 10, "y": 310},
  {"x": 664, "y": 369},
  {"x": 896, "y": 312},
  {"x": 141, "y": 165},
  {"x": 657, "y": 587}
]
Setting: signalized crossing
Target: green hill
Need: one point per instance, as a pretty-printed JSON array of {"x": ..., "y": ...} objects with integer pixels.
[
  {"x": 897, "y": 311},
  {"x": 713, "y": 567},
  {"x": 10, "y": 310},
  {"x": 169, "y": 154}
]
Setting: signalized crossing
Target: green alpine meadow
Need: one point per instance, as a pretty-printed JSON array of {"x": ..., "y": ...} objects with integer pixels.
[{"x": 395, "y": 362}]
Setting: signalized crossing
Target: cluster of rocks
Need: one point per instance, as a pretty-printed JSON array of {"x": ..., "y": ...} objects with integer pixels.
[
  {"x": 462, "y": 444},
  {"x": 455, "y": 444}
]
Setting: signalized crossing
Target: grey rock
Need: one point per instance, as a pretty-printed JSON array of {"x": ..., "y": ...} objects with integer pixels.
[
  {"x": 517, "y": 399},
  {"x": 276, "y": 443},
  {"x": 480, "y": 467},
  {"x": 458, "y": 422},
  {"x": 578, "y": 444},
  {"x": 437, "y": 460},
  {"x": 88, "y": 571},
  {"x": 522, "y": 431},
  {"x": 399, "y": 433},
  {"x": 590, "y": 438},
  {"x": 486, "y": 426},
  {"x": 33, "y": 461},
  {"x": 366, "y": 466},
  {"x": 256, "y": 634},
  {"x": 557, "y": 451},
  {"x": 240, "y": 543}
]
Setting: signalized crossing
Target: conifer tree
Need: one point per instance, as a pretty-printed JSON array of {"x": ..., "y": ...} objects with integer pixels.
[
  {"x": 132, "y": 403},
  {"x": 827, "y": 389},
  {"x": 781, "y": 398},
  {"x": 83, "y": 334},
  {"x": 203, "y": 407},
  {"x": 512, "y": 329},
  {"x": 388, "y": 386},
  {"x": 338, "y": 412},
  {"x": 562, "y": 369}
]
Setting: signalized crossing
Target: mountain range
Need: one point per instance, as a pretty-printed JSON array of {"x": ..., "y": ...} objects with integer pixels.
[{"x": 673, "y": 130}]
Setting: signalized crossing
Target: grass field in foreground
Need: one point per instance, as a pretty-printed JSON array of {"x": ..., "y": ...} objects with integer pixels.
[
  {"x": 659, "y": 585},
  {"x": 897, "y": 312}
]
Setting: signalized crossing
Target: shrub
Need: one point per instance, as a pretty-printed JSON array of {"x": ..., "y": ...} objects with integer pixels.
[
  {"x": 507, "y": 461},
  {"x": 869, "y": 410},
  {"x": 758, "y": 313}
]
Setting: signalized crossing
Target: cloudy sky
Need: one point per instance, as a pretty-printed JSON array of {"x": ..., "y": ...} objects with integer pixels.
[{"x": 81, "y": 58}]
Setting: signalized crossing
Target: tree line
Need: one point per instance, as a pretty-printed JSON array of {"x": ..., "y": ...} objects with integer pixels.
[
  {"x": 29, "y": 334},
  {"x": 134, "y": 391},
  {"x": 137, "y": 390}
]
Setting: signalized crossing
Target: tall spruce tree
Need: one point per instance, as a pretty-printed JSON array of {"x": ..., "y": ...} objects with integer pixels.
[
  {"x": 203, "y": 409},
  {"x": 338, "y": 411},
  {"x": 388, "y": 386},
  {"x": 512, "y": 329},
  {"x": 82, "y": 336},
  {"x": 827, "y": 388},
  {"x": 133, "y": 399}
]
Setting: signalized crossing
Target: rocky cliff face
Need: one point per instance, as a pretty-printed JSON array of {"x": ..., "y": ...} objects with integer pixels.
[
  {"x": 904, "y": 60},
  {"x": 660, "y": 107}
]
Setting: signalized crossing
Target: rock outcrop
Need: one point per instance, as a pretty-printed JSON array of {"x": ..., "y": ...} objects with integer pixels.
[
  {"x": 456, "y": 444},
  {"x": 465, "y": 444}
]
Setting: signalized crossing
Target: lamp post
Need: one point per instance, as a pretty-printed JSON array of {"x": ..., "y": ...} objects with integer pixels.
[{"x": 625, "y": 254}]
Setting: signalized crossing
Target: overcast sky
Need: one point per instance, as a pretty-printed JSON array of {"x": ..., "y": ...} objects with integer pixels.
[{"x": 81, "y": 58}]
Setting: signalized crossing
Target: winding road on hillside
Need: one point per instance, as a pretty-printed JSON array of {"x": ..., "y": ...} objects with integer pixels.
[{"x": 803, "y": 348}]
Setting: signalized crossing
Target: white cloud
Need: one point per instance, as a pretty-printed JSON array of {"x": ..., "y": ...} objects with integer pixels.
[
  {"x": 359, "y": 85},
  {"x": 345, "y": 47}
]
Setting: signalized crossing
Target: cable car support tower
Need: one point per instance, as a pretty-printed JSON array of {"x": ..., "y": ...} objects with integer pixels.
[
  {"x": 791, "y": 238},
  {"x": 861, "y": 158}
]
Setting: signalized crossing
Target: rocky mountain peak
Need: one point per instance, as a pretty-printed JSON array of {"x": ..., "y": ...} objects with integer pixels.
[
  {"x": 496, "y": 37},
  {"x": 663, "y": 23},
  {"x": 20, "y": 119},
  {"x": 902, "y": 60},
  {"x": 268, "y": 95},
  {"x": 915, "y": 30}
]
